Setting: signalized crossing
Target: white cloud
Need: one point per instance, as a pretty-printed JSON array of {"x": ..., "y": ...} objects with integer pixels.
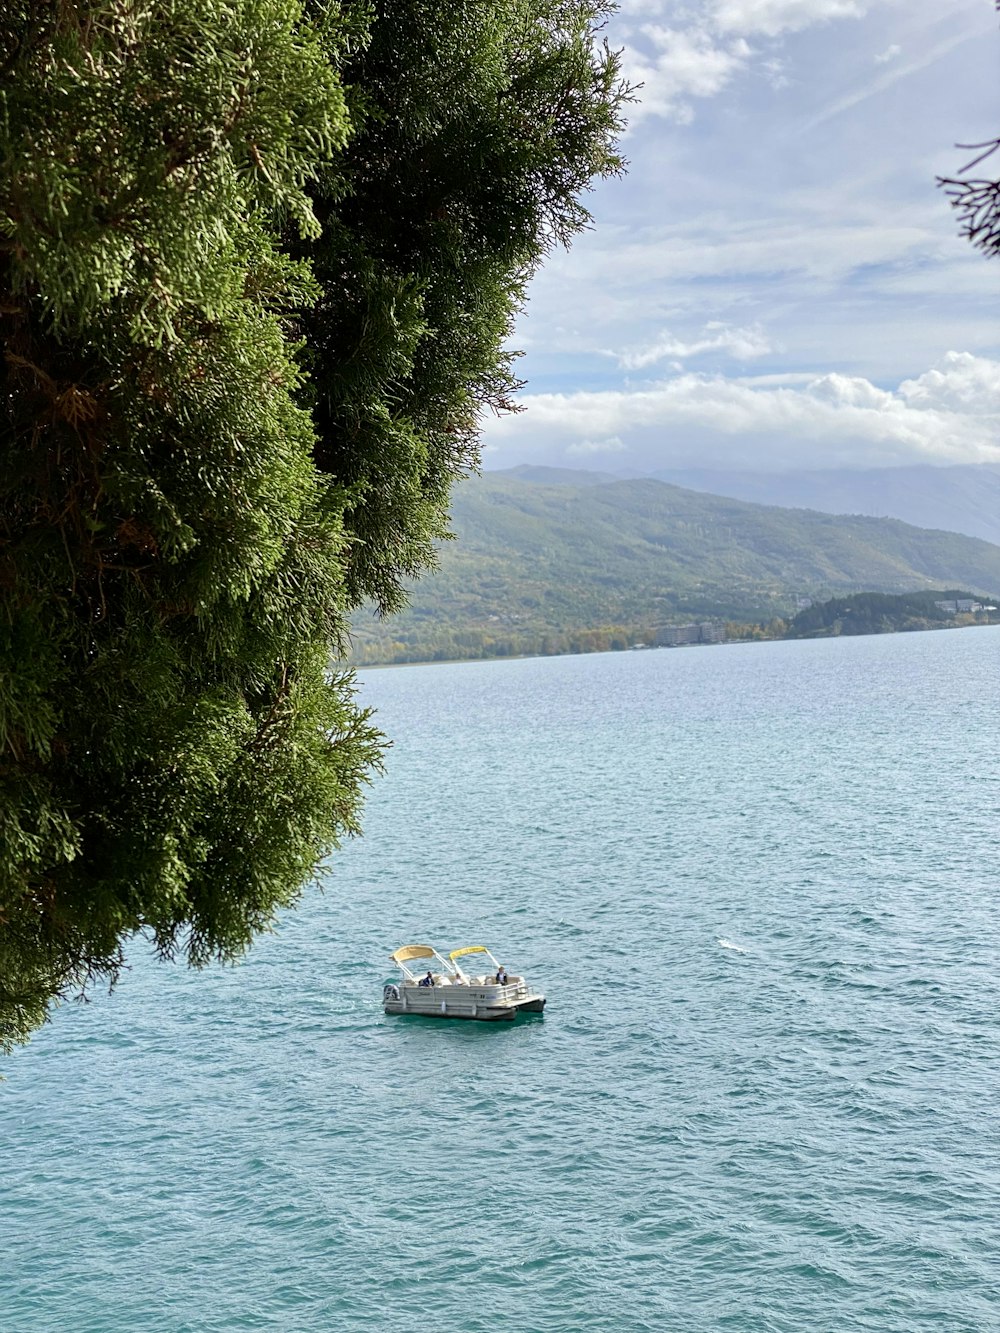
[
  {"x": 850, "y": 391},
  {"x": 674, "y": 64},
  {"x": 890, "y": 53},
  {"x": 961, "y": 383},
  {"x": 688, "y": 58},
  {"x": 771, "y": 18},
  {"x": 742, "y": 344},
  {"x": 950, "y": 414}
]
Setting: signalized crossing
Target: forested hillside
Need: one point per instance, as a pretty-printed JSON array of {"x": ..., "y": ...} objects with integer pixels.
[
  {"x": 570, "y": 567},
  {"x": 880, "y": 613}
]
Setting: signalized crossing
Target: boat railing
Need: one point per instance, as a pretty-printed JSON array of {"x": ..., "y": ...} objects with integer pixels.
[{"x": 516, "y": 989}]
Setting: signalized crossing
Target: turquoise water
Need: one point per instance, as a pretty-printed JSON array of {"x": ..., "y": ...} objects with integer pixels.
[{"x": 758, "y": 884}]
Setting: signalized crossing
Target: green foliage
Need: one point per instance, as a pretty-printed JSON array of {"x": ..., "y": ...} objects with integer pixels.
[
  {"x": 879, "y": 613},
  {"x": 259, "y": 260},
  {"x": 537, "y": 565},
  {"x": 483, "y": 121},
  {"x": 749, "y": 631},
  {"x": 441, "y": 644}
]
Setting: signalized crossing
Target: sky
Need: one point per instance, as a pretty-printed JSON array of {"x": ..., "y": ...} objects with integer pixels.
[{"x": 777, "y": 284}]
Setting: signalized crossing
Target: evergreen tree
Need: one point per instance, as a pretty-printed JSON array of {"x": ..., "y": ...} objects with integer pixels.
[
  {"x": 976, "y": 198},
  {"x": 258, "y": 265},
  {"x": 975, "y": 194}
]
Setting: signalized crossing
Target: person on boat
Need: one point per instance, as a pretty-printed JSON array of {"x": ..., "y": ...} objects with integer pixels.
[
  {"x": 501, "y": 975},
  {"x": 426, "y": 981}
]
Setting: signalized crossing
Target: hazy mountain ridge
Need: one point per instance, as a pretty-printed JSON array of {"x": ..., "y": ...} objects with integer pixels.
[
  {"x": 962, "y": 498},
  {"x": 541, "y": 560}
]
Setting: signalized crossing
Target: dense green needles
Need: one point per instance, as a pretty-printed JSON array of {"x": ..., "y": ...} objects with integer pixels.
[{"x": 259, "y": 264}]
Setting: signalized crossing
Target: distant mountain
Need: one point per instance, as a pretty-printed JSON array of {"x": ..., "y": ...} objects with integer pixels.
[
  {"x": 536, "y": 567},
  {"x": 957, "y": 499},
  {"x": 962, "y": 499}
]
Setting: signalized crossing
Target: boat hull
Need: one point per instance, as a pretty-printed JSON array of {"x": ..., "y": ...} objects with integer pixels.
[{"x": 487, "y": 1004}]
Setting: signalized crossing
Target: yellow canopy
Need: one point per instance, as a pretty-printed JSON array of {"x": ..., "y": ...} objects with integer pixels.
[
  {"x": 412, "y": 951},
  {"x": 472, "y": 948}
]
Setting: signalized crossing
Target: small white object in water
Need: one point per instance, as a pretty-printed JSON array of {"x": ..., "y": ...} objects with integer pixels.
[{"x": 728, "y": 944}]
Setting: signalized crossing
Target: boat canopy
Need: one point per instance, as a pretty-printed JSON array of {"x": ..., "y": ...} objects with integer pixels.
[
  {"x": 464, "y": 953},
  {"x": 450, "y": 969},
  {"x": 413, "y": 951}
]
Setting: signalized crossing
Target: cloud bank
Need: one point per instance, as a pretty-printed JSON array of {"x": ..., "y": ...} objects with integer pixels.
[{"x": 948, "y": 414}]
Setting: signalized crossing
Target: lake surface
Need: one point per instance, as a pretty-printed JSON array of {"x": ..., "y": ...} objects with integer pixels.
[{"x": 759, "y": 885}]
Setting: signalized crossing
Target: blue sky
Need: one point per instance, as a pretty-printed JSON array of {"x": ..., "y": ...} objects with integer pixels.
[{"x": 777, "y": 283}]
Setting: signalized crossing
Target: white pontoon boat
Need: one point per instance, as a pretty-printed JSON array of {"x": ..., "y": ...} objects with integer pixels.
[{"x": 439, "y": 987}]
